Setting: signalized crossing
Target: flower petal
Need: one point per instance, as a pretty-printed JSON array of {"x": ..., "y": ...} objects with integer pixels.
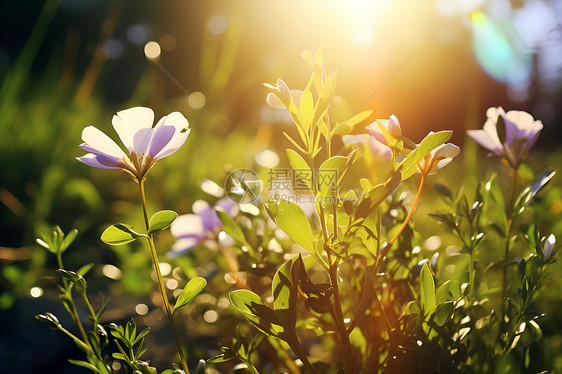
[
  {"x": 100, "y": 142},
  {"x": 446, "y": 150},
  {"x": 376, "y": 133},
  {"x": 273, "y": 101},
  {"x": 98, "y": 161},
  {"x": 394, "y": 126},
  {"x": 483, "y": 138},
  {"x": 228, "y": 205},
  {"x": 127, "y": 123},
  {"x": 181, "y": 246},
  {"x": 210, "y": 219},
  {"x": 182, "y": 130},
  {"x": 161, "y": 138},
  {"x": 188, "y": 226}
]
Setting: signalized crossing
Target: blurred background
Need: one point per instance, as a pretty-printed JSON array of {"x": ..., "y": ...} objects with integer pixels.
[{"x": 66, "y": 64}]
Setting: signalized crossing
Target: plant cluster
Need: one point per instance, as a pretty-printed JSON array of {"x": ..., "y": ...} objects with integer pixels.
[{"x": 341, "y": 286}]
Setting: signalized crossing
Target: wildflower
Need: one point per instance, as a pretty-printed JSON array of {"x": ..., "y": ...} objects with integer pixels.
[
  {"x": 283, "y": 100},
  {"x": 386, "y": 131},
  {"x": 548, "y": 247},
  {"x": 438, "y": 158},
  {"x": 521, "y": 133},
  {"x": 144, "y": 143},
  {"x": 192, "y": 229}
]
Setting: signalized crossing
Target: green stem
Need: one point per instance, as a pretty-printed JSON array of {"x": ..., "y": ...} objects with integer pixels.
[
  {"x": 387, "y": 247},
  {"x": 340, "y": 324},
  {"x": 509, "y": 214},
  {"x": 160, "y": 280}
]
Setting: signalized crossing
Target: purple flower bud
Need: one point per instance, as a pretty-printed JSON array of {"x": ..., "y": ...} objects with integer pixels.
[{"x": 548, "y": 247}]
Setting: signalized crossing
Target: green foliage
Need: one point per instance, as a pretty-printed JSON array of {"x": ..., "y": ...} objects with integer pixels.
[
  {"x": 161, "y": 220},
  {"x": 57, "y": 242},
  {"x": 191, "y": 289},
  {"x": 119, "y": 234}
]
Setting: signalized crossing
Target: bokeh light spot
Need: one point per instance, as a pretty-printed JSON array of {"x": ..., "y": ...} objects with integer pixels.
[
  {"x": 267, "y": 158},
  {"x": 111, "y": 271},
  {"x": 217, "y": 24},
  {"x": 196, "y": 100},
  {"x": 141, "y": 309},
  {"x": 210, "y": 316},
  {"x": 36, "y": 292},
  {"x": 152, "y": 50},
  {"x": 138, "y": 34},
  {"x": 167, "y": 42}
]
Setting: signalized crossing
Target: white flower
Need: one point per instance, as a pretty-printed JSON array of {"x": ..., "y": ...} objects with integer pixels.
[
  {"x": 521, "y": 133},
  {"x": 144, "y": 143}
]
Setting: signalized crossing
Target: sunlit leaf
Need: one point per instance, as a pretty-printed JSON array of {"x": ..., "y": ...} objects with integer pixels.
[
  {"x": 346, "y": 127},
  {"x": 119, "y": 234},
  {"x": 306, "y": 109},
  {"x": 443, "y": 313},
  {"x": 301, "y": 168},
  {"x": 532, "y": 189},
  {"x": 429, "y": 143},
  {"x": 427, "y": 290},
  {"x": 291, "y": 219},
  {"x": 329, "y": 172},
  {"x": 285, "y": 292},
  {"x": 68, "y": 239},
  {"x": 256, "y": 311},
  {"x": 191, "y": 289},
  {"x": 160, "y": 220}
]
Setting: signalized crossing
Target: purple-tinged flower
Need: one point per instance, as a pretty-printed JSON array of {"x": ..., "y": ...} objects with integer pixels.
[
  {"x": 192, "y": 229},
  {"x": 438, "y": 158},
  {"x": 521, "y": 133},
  {"x": 277, "y": 100},
  {"x": 548, "y": 247},
  {"x": 389, "y": 126},
  {"x": 144, "y": 143}
]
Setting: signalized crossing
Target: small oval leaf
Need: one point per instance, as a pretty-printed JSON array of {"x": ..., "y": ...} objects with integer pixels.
[
  {"x": 191, "y": 289},
  {"x": 118, "y": 234},
  {"x": 160, "y": 220}
]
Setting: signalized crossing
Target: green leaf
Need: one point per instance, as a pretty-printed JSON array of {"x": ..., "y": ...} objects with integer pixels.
[
  {"x": 496, "y": 211},
  {"x": 119, "y": 234},
  {"x": 324, "y": 99},
  {"x": 231, "y": 228},
  {"x": 223, "y": 357},
  {"x": 85, "y": 269},
  {"x": 294, "y": 142},
  {"x": 85, "y": 364},
  {"x": 532, "y": 190},
  {"x": 306, "y": 109},
  {"x": 284, "y": 289},
  {"x": 191, "y": 289},
  {"x": 144, "y": 368},
  {"x": 301, "y": 168},
  {"x": 68, "y": 239},
  {"x": 292, "y": 220},
  {"x": 428, "y": 144},
  {"x": 346, "y": 127},
  {"x": 160, "y": 220},
  {"x": 443, "y": 313},
  {"x": 427, "y": 290},
  {"x": 256, "y": 311},
  {"x": 366, "y": 185},
  {"x": 330, "y": 172}
]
